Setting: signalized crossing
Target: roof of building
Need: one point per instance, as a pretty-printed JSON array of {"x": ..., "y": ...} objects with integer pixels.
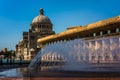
[
  {"x": 99, "y": 24},
  {"x": 41, "y": 18}
]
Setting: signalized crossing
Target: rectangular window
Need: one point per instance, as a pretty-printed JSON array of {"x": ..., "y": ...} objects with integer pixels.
[
  {"x": 101, "y": 33},
  {"x": 108, "y": 31},
  {"x": 117, "y": 29},
  {"x": 94, "y": 34}
]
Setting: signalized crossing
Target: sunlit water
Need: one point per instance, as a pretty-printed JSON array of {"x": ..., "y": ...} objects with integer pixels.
[
  {"x": 80, "y": 54},
  {"x": 99, "y": 57}
]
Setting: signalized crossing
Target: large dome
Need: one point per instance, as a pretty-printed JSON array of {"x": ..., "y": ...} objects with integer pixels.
[{"x": 41, "y": 18}]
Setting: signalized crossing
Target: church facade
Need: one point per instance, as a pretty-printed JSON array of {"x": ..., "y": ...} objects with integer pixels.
[{"x": 41, "y": 26}]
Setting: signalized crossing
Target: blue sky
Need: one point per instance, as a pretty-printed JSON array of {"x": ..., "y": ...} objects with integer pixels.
[{"x": 16, "y": 15}]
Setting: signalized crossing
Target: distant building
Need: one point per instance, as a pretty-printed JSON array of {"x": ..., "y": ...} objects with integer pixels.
[
  {"x": 4, "y": 50},
  {"x": 41, "y": 26}
]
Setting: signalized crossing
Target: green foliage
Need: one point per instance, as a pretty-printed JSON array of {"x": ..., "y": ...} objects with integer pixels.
[
  {"x": 7, "y": 54},
  {"x": 13, "y": 54}
]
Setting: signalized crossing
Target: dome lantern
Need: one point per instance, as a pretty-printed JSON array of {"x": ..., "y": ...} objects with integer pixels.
[
  {"x": 41, "y": 18},
  {"x": 41, "y": 11}
]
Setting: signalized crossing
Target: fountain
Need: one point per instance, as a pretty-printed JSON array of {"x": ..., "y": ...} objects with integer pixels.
[
  {"x": 80, "y": 54},
  {"x": 75, "y": 59}
]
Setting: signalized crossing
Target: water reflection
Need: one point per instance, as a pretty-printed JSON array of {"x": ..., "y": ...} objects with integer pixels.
[{"x": 63, "y": 71}]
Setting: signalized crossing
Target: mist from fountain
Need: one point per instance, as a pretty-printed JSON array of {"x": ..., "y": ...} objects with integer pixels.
[{"x": 80, "y": 51}]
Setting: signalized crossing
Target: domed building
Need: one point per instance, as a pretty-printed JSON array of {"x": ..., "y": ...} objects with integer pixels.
[{"x": 40, "y": 26}]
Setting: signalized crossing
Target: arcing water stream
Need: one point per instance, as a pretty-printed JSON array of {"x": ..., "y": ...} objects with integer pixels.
[{"x": 104, "y": 50}]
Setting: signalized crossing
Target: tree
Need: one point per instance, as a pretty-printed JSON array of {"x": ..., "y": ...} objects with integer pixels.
[{"x": 7, "y": 55}]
